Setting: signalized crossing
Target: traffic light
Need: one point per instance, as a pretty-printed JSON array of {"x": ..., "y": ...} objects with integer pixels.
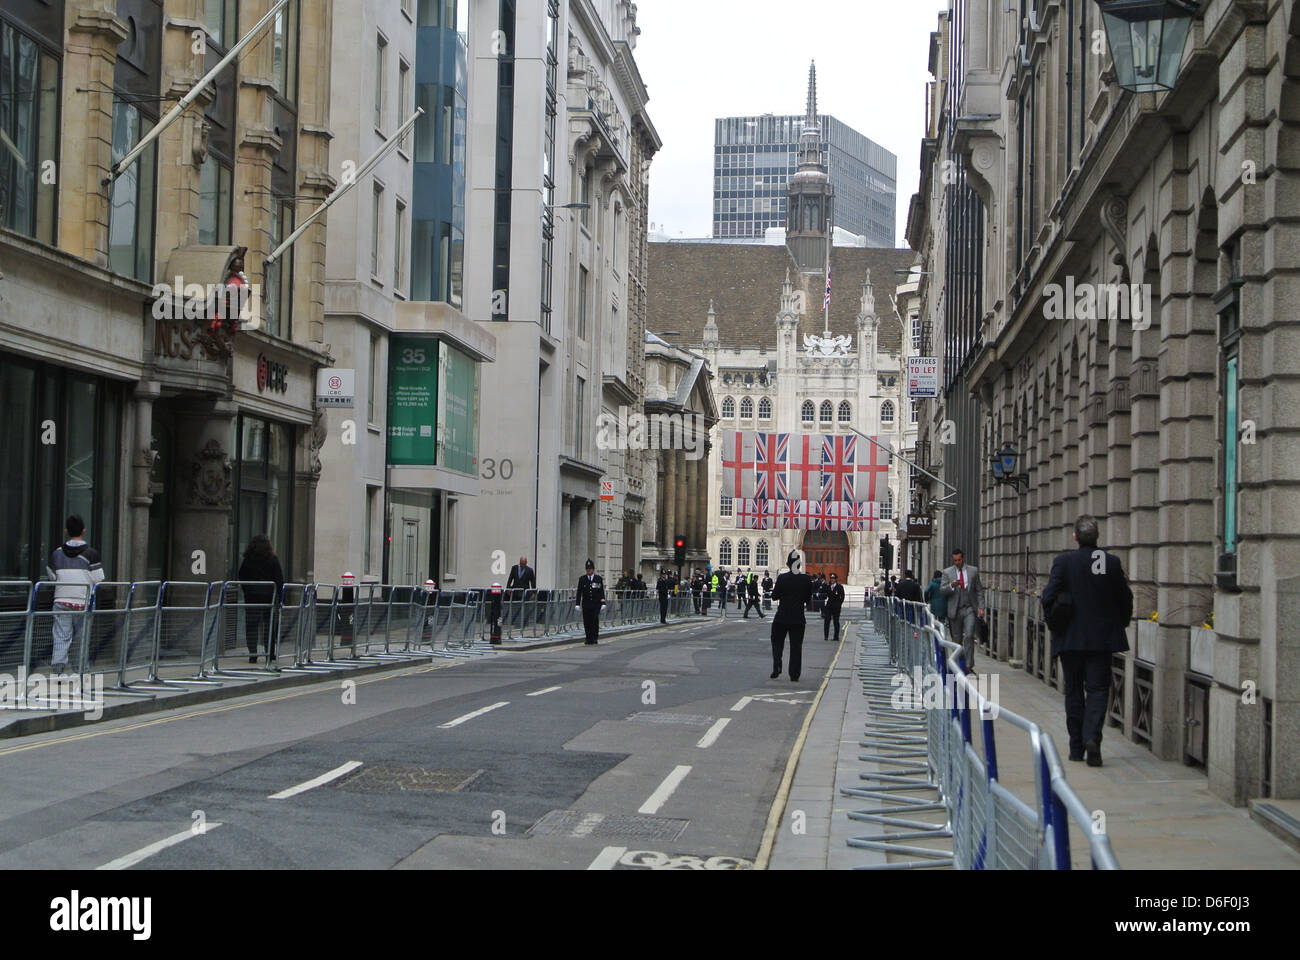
[
  {"x": 679, "y": 551},
  {"x": 886, "y": 554}
]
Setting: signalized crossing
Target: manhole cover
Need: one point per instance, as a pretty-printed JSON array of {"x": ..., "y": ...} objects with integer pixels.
[
  {"x": 577, "y": 825},
  {"x": 689, "y": 719},
  {"x": 386, "y": 777}
]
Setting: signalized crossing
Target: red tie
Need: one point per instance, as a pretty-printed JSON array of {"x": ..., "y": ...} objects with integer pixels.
[{"x": 961, "y": 579}]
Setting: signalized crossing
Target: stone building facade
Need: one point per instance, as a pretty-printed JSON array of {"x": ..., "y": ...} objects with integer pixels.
[{"x": 1170, "y": 424}]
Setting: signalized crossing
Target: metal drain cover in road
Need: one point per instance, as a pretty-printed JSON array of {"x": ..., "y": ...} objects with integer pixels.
[
  {"x": 577, "y": 825},
  {"x": 388, "y": 777},
  {"x": 689, "y": 719}
]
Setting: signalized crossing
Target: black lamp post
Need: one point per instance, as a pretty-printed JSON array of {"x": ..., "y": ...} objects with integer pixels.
[
  {"x": 1004, "y": 467},
  {"x": 1146, "y": 40}
]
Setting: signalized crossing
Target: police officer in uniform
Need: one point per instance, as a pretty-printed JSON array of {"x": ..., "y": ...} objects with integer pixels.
[
  {"x": 591, "y": 601},
  {"x": 663, "y": 588}
]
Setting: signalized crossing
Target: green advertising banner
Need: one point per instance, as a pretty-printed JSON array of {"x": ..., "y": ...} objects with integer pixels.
[
  {"x": 457, "y": 411},
  {"x": 412, "y": 401}
]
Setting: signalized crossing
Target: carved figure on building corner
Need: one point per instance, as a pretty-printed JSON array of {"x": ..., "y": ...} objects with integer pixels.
[{"x": 210, "y": 476}]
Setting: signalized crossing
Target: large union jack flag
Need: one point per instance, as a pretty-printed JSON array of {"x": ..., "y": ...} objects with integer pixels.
[
  {"x": 837, "y": 468},
  {"x": 788, "y": 514},
  {"x": 771, "y": 453},
  {"x": 816, "y": 515},
  {"x": 762, "y": 514}
]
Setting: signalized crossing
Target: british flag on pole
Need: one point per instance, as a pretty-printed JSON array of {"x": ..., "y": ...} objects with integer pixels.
[
  {"x": 771, "y": 453},
  {"x": 872, "y": 483},
  {"x": 805, "y": 467},
  {"x": 837, "y": 468},
  {"x": 738, "y": 464}
]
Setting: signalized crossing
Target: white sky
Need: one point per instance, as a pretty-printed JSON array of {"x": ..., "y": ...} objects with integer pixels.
[{"x": 703, "y": 59}]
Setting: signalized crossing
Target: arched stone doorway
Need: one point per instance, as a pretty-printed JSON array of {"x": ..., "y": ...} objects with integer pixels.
[{"x": 826, "y": 551}]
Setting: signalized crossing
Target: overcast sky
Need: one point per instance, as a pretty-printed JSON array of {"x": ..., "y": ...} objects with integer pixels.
[{"x": 703, "y": 59}]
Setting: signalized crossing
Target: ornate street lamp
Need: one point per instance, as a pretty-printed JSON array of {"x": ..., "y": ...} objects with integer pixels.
[
  {"x": 1146, "y": 40},
  {"x": 1004, "y": 467}
]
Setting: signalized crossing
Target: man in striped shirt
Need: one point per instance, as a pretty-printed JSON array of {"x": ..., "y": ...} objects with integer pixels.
[{"x": 75, "y": 568}]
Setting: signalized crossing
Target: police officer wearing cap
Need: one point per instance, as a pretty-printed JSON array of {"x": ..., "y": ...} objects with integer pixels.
[{"x": 591, "y": 600}]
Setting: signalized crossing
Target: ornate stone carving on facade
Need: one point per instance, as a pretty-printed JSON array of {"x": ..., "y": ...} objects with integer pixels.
[
  {"x": 199, "y": 148},
  {"x": 210, "y": 473},
  {"x": 317, "y": 442},
  {"x": 826, "y": 348},
  {"x": 1114, "y": 221}
]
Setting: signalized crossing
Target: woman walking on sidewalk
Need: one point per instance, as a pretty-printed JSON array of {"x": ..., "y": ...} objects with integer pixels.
[{"x": 260, "y": 569}]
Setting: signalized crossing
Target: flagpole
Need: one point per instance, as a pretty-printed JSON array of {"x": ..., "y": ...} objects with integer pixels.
[{"x": 892, "y": 453}]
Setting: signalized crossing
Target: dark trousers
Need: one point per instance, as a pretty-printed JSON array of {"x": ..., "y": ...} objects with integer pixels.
[
  {"x": 257, "y": 621},
  {"x": 591, "y": 621},
  {"x": 752, "y": 603},
  {"x": 779, "y": 633},
  {"x": 1086, "y": 679},
  {"x": 827, "y": 617},
  {"x": 663, "y": 609}
]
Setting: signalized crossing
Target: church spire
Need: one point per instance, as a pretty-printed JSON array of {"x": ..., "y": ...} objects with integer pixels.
[
  {"x": 811, "y": 116},
  {"x": 810, "y": 197}
]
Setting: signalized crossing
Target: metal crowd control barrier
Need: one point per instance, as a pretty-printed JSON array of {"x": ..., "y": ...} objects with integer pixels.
[{"x": 990, "y": 827}]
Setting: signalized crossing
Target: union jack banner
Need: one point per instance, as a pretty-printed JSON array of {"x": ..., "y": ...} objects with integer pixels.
[
  {"x": 762, "y": 514},
  {"x": 788, "y": 514},
  {"x": 872, "y": 484},
  {"x": 771, "y": 453},
  {"x": 837, "y": 515},
  {"x": 837, "y": 468},
  {"x": 865, "y": 516},
  {"x": 816, "y": 515},
  {"x": 738, "y": 464},
  {"x": 745, "y": 514}
]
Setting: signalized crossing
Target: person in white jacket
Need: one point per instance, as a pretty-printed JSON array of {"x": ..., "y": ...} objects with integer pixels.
[{"x": 75, "y": 568}]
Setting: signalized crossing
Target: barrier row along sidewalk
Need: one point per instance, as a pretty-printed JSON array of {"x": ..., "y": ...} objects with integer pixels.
[
  {"x": 930, "y": 748},
  {"x": 159, "y": 636}
]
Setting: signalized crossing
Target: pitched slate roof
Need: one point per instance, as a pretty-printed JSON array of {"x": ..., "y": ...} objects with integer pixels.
[{"x": 744, "y": 283}]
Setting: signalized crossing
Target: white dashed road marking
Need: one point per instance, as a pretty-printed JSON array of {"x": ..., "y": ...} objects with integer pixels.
[
  {"x": 607, "y": 858},
  {"x": 713, "y": 733},
  {"x": 144, "y": 853},
  {"x": 470, "y": 716},
  {"x": 316, "y": 782},
  {"x": 538, "y": 693},
  {"x": 665, "y": 790}
]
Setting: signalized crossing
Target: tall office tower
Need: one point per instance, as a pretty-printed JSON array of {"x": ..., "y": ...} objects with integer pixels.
[{"x": 754, "y": 159}]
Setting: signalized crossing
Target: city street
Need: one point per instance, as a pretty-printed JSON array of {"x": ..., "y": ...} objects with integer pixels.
[{"x": 559, "y": 750}]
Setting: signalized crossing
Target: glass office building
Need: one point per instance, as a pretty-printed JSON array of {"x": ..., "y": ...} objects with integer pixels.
[{"x": 754, "y": 158}]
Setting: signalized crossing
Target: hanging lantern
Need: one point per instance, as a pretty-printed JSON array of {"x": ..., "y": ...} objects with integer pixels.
[{"x": 1146, "y": 40}]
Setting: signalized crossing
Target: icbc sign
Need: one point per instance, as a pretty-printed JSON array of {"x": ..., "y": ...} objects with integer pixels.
[{"x": 271, "y": 375}]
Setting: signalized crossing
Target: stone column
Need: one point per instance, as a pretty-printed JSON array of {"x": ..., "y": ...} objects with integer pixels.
[
  {"x": 683, "y": 489},
  {"x": 203, "y": 490},
  {"x": 141, "y": 497},
  {"x": 692, "y": 503},
  {"x": 704, "y": 493},
  {"x": 671, "y": 483}
]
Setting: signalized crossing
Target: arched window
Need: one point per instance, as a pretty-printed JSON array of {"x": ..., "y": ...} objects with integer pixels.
[
  {"x": 724, "y": 553},
  {"x": 760, "y": 554},
  {"x": 747, "y": 409},
  {"x": 809, "y": 414},
  {"x": 765, "y": 409},
  {"x": 742, "y": 553},
  {"x": 887, "y": 412},
  {"x": 828, "y": 412},
  {"x": 728, "y": 409},
  {"x": 725, "y": 510},
  {"x": 846, "y": 412}
]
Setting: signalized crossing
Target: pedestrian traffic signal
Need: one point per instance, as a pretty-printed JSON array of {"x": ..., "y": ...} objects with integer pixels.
[{"x": 679, "y": 551}]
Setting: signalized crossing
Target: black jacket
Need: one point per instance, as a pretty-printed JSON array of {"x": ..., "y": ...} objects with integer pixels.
[
  {"x": 792, "y": 592},
  {"x": 261, "y": 568},
  {"x": 1103, "y": 603},
  {"x": 663, "y": 586},
  {"x": 525, "y": 578},
  {"x": 834, "y": 600},
  {"x": 591, "y": 592},
  {"x": 751, "y": 586},
  {"x": 909, "y": 590}
]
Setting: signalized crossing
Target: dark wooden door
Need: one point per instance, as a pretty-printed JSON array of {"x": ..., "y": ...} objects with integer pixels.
[{"x": 826, "y": 552}]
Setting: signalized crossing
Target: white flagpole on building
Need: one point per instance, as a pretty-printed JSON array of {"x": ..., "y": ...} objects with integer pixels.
[{"x": 118, "y": 168}]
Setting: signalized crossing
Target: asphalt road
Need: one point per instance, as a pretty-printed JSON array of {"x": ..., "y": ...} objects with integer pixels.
[{"x": 661, "y": 749}]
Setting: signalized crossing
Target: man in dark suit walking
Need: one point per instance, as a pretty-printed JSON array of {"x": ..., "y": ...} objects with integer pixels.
[
  {"x": 750, "y": 586},
  {"x": 522, "y": 578},
  {"x": 591, "y": 601},
  {"x": 1091, "y": 583},
  {"x": 792, "y": 592},
  {"x": 831, "y": 607},
  {"x": 664, "y": 585}
]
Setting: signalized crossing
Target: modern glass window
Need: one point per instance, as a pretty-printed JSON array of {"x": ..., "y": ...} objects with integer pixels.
[
  {"x": 765, "y": 409},
  {"x": 284, "y": 56},
  {"x": 747, "y": 409},
  {"x": 214, "y": 202},
  {"x": 29, "y": 136},
  {"x": 887, "y": 412},
  {"x": 728, "y": 409},
  {"x": 808, "y": 413},
  {"x": 742, "y": 553},
  {"x": 827, "y": 412},
  {"x": 399, "y": 246},
  {"x": 724, "y": 553},
  {"x": 846, "y": 412},
  {"x": 381, "y": 61},
  {"x": 761, "y": 554},
  {"x": 131, "y": 204},
  {"x": 724, "y": 507},
  {"x": 376, "y": 228}
]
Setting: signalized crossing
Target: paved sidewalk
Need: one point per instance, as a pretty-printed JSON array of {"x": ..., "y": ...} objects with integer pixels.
[{"x": 1159, "y": 814}]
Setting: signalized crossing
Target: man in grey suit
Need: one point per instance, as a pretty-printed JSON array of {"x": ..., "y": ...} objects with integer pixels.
[{"x": 961, "y": 585}]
